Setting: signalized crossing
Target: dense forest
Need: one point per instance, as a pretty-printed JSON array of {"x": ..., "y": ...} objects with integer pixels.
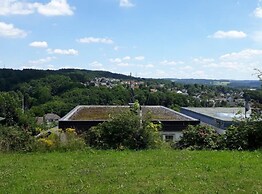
[{"x": 10, "y": 78}]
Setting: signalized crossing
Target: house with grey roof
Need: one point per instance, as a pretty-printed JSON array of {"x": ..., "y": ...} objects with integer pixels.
[
  {"x": 51, "y": 117},
  {"x": 48, "y": 118}
]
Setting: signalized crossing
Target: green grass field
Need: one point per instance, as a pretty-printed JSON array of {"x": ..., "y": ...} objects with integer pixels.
[{"x": 152, "y": 171}]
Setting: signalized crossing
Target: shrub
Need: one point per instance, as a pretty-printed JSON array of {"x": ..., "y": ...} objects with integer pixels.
[
  {"x": 199, "y": 137},
  {"x": 246, "y": 135},
  {"x": 13, "y": 138},
  {"x": 61, "y": 141},
  {"x": 124, "y": 131}
]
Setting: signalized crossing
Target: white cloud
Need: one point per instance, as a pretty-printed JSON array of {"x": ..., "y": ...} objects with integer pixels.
[
  {"x": 211, "y": 65},
  {"x": 123, "y": 64},
  {"x": 160, "y": 73},
  {"x": 186, "y": 68},
  {"x": 171, "y": 63},
  {"x": 244, "y": 54},
  {"x": 55, "y": 8},
  {"x": 89, "y": 40},
  {"x": 126, "y": 3},
  {"x": 225, "y": 65},
  {"x": 126, "y": 58},
  {"x": 14, "y": 7},
  {"x": 230, "y": 65},
  {"x": 39, "y": 64},
  {"x": 69, "y": 67},
  {"x": 8, "y": 30},
  {"x": 39, "y": 44},
  {"x": 235, "y": 65},
  {"x": 205, "y": 62},
  {"x": 116, "y": 48},
  {"x": 201, "y": 60},
  {"x": 258, "y": 12},
  {"x": 139, "y": 58},
  {"x": 145, "y": 74},
  {"x": 119, "y": 60},
  {"x": 149, "y": 66},
  {"x": 116, "y": 60},
  {"x": 96, "y": 64},
  {"x": 233, "y": 34},
  {"x": 238, "y": 64},
  {"x": 199, "y": 73},
  {"x": 257, "y": 36},
  {"x": 52, "y": 8},
  {"x": 63, "y": 52},
  {"x": 49, "y": 66},
  {"x": 42, "y": 61}
]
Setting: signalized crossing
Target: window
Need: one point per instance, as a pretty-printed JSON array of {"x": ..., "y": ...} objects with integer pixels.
[{"x": 169, "y": 137}]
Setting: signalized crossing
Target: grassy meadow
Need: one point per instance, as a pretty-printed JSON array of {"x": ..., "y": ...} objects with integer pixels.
[{"x": 151, "y": 171}]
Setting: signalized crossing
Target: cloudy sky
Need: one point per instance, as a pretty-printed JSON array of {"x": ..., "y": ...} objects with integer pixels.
[{"x": 218, "y": 39}]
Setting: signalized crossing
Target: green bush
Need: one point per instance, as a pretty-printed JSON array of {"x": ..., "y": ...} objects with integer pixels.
[
  {"x": 246, "y": 135},
  {"x": 13, "y": 138},
  {"x": 61, "y": 140},
  {"x": 199, "y": 137},
  {"x": 124, "y": 131}
]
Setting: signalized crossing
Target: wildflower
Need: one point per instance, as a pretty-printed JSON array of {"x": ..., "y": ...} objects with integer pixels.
[
  {"x": 60, "y": 130},
  {"x": 47, "y": 142},
  {"x": 70, "y": 130},
  {"x": 38, "y": 129}
]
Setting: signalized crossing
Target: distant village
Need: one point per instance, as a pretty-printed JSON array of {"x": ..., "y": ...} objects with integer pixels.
[{"x": 229, "y": 98}]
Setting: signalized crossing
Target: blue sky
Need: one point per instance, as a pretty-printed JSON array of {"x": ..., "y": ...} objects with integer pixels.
[{"x": 218, "y": 39}]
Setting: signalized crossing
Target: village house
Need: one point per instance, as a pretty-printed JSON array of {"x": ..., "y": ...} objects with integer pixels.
[{"x": 48, "y": 118}]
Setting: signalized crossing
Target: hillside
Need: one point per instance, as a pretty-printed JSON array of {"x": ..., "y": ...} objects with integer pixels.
[{"x": 9, "y": 78}]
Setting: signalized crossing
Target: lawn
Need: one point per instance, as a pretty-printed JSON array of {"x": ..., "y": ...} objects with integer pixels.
[{"x": 152, "y": 171}]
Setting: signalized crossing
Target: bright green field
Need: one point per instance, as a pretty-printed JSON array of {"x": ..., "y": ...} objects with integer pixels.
[{"x": 152, "y": 171}]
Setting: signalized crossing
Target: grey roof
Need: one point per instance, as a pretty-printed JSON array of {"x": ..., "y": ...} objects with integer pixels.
[
  {"x": 222, "y": 113},
  {"x": 39, "y": 120},
  {"x": 52, "y": 116}
]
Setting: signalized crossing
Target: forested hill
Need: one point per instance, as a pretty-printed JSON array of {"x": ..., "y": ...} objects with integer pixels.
[{"x": 9, "y": 78}]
